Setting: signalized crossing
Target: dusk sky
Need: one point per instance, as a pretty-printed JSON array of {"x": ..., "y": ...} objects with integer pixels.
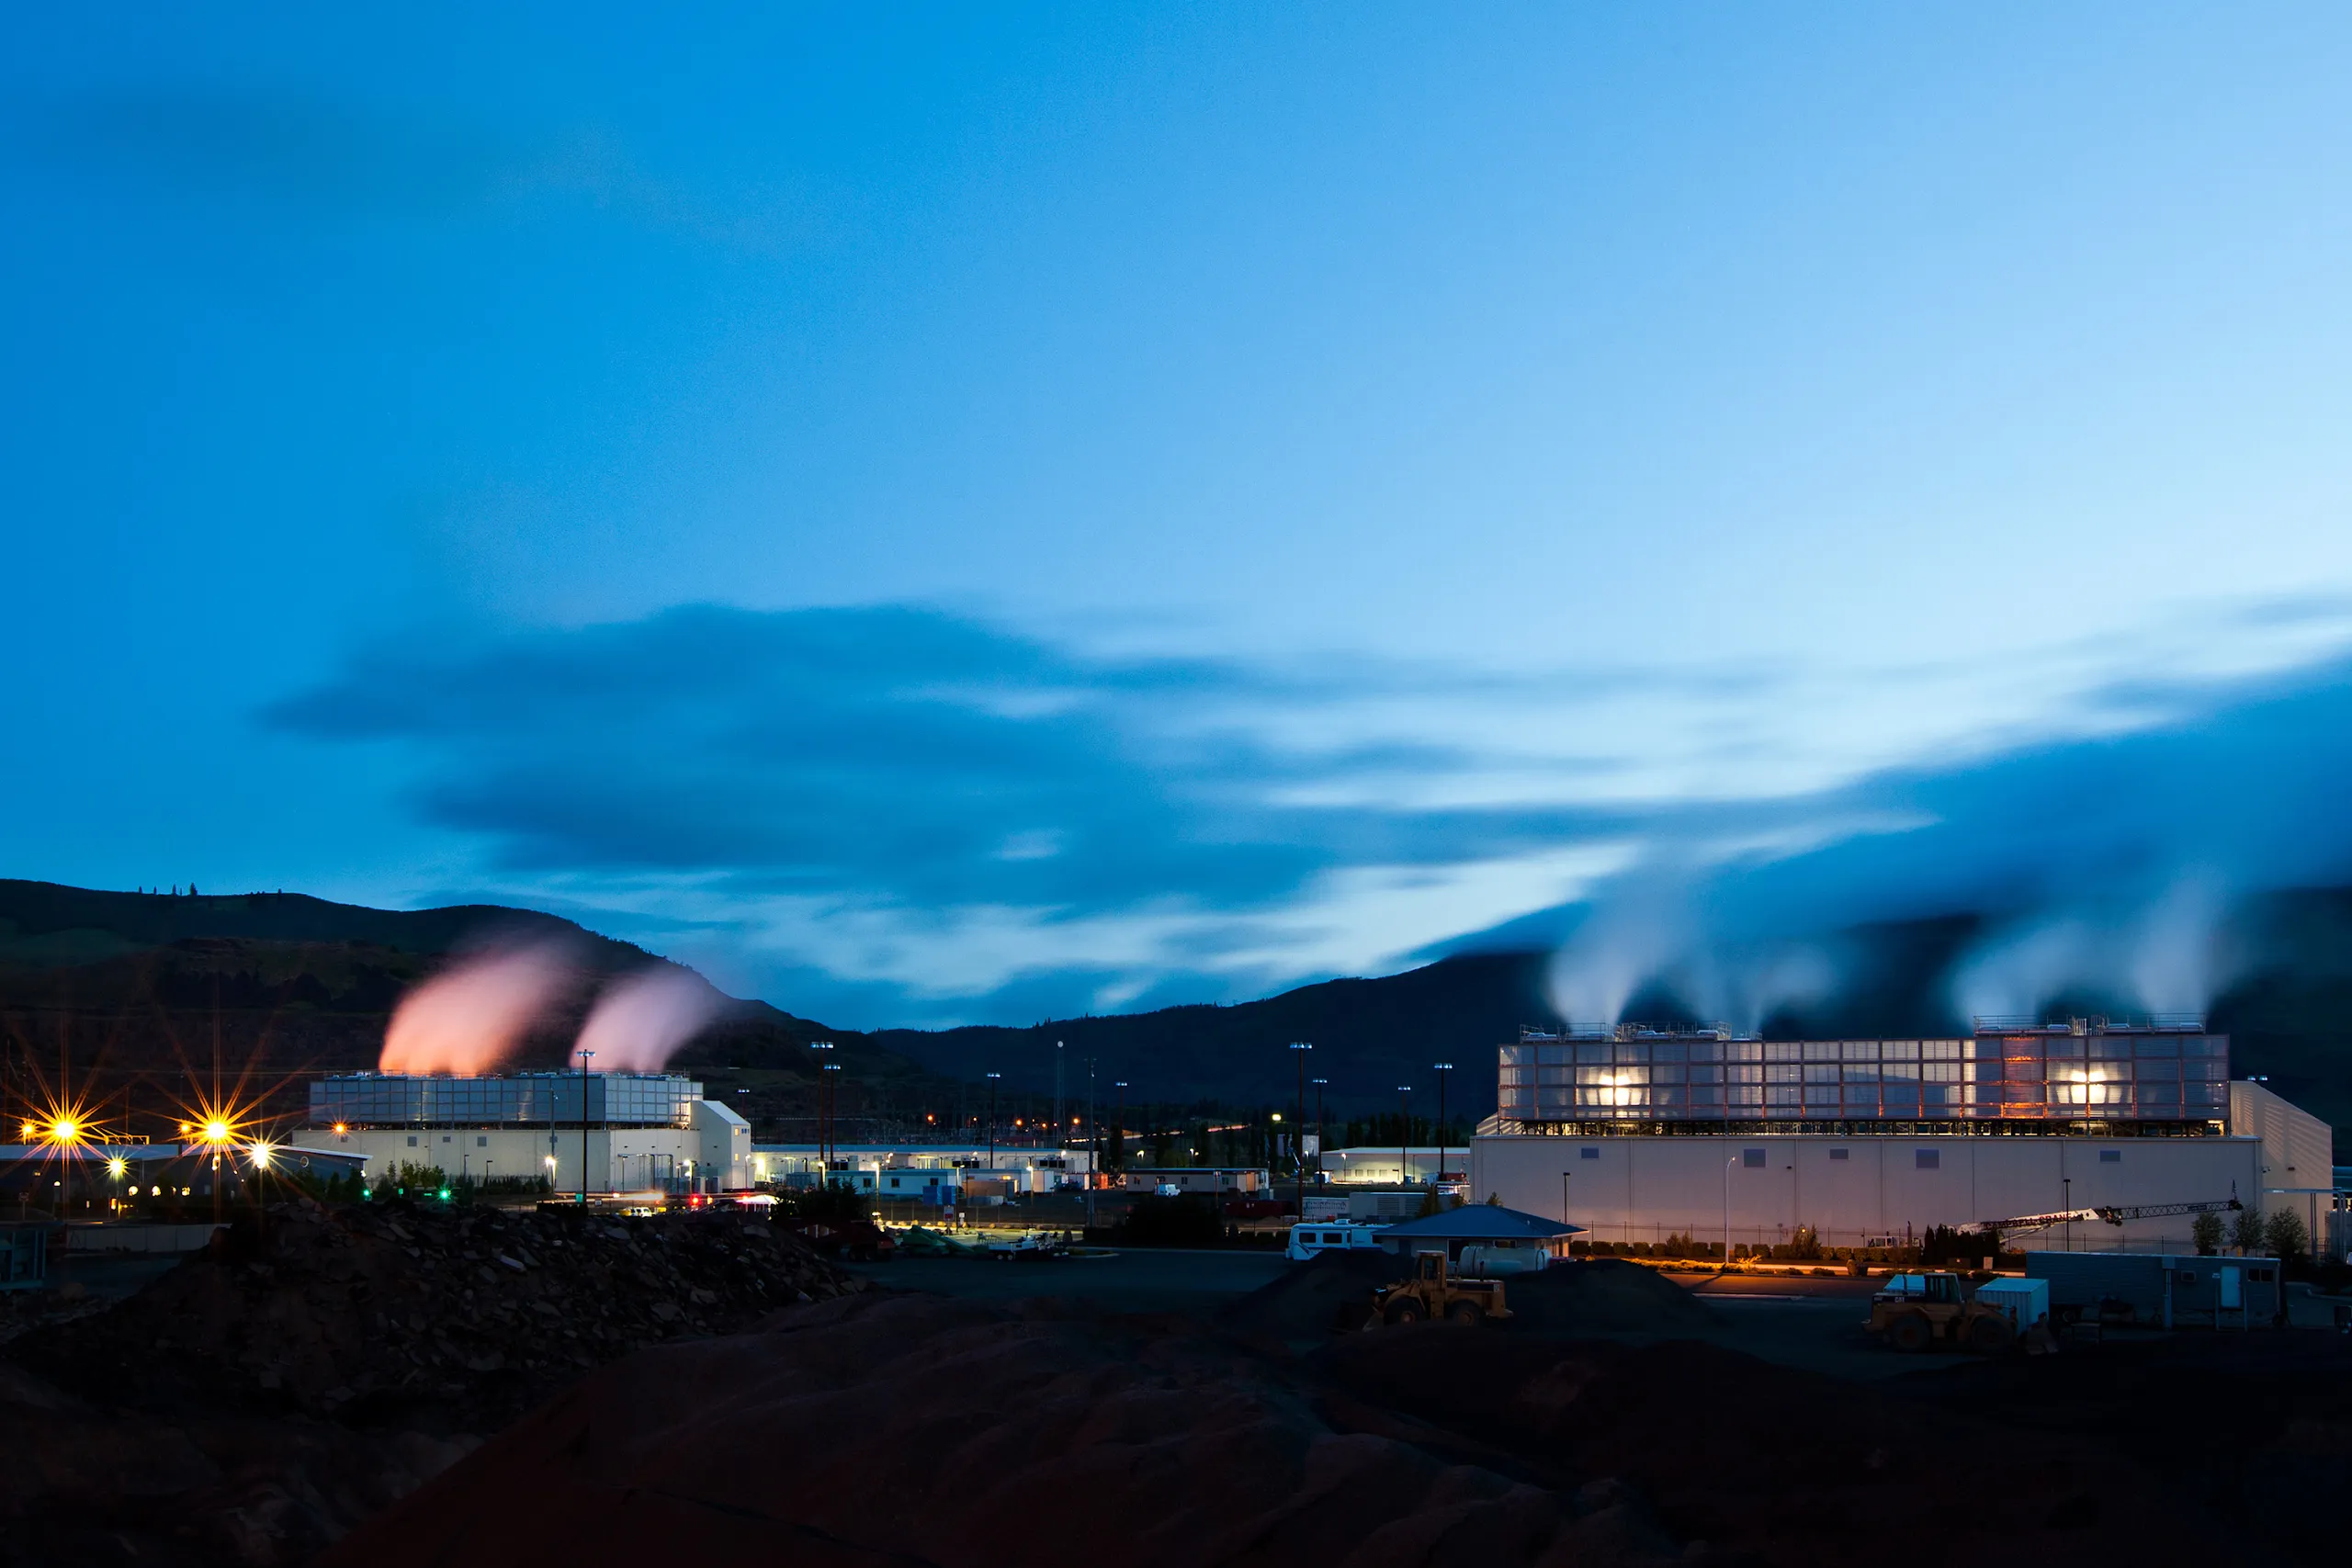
[{"x": 943, "y": 515}]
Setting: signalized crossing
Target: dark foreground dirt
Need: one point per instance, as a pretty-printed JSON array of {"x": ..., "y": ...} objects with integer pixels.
[
  {"x": 907, "y": 1429},
  {"x": 693, "y": 1386},
  {"x": 260, "y": 1399}
]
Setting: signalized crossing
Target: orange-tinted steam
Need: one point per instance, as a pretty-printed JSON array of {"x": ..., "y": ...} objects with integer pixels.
[
  {"x": 465, "y": 1019},
  {"x": 640, "y": 1020}
]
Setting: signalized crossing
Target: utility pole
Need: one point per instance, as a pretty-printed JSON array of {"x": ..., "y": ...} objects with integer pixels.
[
  {"x": 584, "y": 1055},
  {"x": 1061, "y": 1128},
  {"x": 1122, "y": 1128},
  {"x": 1300, "y": 1048},
  {"x": 1094, "y": 1144}
]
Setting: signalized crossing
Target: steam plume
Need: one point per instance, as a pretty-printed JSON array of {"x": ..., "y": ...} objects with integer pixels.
[
  {"x": 643, "y": 1018},
  {"x": 468, "y": 1018}
]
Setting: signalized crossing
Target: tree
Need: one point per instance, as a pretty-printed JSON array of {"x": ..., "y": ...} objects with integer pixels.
[
  {"x": 2205, "y": 1230},
  {"x": 2284, "y": 1233},
  {"x": 2245, "y": 1230}
]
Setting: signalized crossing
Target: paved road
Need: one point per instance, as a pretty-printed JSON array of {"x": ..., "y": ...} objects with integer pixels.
[{"x": 1138, "y": 1280}]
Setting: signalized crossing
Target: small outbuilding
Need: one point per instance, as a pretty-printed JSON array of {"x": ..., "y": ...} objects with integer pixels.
[
  {"x": 2159, "y": 1290},
  {"x": 1484, "y": 1239}
]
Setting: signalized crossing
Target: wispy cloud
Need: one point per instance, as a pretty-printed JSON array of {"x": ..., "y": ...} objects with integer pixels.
[{"x": 919, "y": 806}]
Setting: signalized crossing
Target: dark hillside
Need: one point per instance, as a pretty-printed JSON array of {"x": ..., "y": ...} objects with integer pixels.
[{"x": 136, "y": 1001}]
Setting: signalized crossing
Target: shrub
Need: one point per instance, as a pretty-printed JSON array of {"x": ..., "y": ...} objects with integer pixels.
[
  {"x": 2205, "y": 1231},
  {"x": 2284, "y": 1233}
]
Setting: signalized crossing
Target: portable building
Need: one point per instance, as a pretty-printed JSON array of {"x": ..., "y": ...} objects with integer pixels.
[{"x": 2163, "y": 1290}]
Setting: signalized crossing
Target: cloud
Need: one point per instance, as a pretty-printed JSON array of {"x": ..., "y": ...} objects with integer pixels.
[{"x": 901, "y": 803}]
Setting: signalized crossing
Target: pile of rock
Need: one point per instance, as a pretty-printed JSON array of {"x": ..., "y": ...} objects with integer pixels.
[
  {"x": 315, "y": 1364},
  {"x": 370, "y": 1313}
]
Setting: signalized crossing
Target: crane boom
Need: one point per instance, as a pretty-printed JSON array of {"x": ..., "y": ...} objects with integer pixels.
[{"x": 2114, "y": 1214}]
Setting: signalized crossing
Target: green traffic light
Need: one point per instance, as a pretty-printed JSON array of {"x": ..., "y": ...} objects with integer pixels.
[{"x": 444, "y": 1194}]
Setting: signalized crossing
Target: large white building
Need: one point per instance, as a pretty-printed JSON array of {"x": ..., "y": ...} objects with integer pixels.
[
  {"x": 627, "y": 1132},
  {"x": 1640, "y": 1134}
]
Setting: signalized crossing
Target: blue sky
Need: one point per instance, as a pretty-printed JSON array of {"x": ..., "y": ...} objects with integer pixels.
[{"x": 944, "y": 515}]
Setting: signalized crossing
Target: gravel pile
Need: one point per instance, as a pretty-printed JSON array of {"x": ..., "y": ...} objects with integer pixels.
[{"x": 369, "y": 1313}]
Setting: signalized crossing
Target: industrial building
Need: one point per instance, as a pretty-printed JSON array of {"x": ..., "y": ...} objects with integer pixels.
[
  {"x": 608, "y": 1132},
  {"x": 909, "y": 1171},
  {"x": 1640, "y": 1134}
]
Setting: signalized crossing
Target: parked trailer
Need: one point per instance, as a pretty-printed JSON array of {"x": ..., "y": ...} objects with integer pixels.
[{"x": 2158, "y": 1290}]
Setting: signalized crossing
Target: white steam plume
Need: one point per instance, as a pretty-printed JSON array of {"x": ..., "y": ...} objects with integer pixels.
[
  {"x": 2171, "y": 956},
  {"x": 468, "y": 1017},
  {"x": 1621, "y": 947},
  {"x": 643, "y": 1019}
]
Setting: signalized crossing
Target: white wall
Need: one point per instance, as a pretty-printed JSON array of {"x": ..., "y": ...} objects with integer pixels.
[{"x": 1644, "y": 1189}]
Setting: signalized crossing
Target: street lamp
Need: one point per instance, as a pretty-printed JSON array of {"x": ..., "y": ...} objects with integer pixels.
[
  {"x": 1299, "y": 1049},
  {"x": 584, "y": 1056},
  {"x": 1727, "y": 1165}
]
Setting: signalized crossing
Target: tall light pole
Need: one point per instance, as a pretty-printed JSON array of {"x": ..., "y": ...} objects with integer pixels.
[
  {"x": 1094, "y": 1144},
  {"x": 1403, "y": 1135},
  {"x": 992, "y": 1079},
  {"x": 1299, "y": 1049},
  {"x": 1320, "y": 1085},
  {"x": 584, "y": 1055},
  {"x": 824, "y": 1113},
  {"x": 1444, "y": 1071}
]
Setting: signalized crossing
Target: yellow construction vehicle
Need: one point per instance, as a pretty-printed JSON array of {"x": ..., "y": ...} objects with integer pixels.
[
  {"x": 1915, "y": 1311},
  {"x": 1433, "y": 1293}
]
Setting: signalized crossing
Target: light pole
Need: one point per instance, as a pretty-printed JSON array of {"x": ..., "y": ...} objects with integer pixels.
[
  {"x": 824, "y": 1112},
  {"x": 992, "y": 1080},
  {"x": 1094, "y": 1144},
  {"x": 584, "y": 1056},
  {"x": 1403, "y": 1135},
  {"x": 1727, "y": 1165},
  {"x": 2066, "y": 1187},
  {"x": 1299, "y": 1049},
  {"x": 1121, "y": 1129},
  {"x": 1444, "y": 1070}
]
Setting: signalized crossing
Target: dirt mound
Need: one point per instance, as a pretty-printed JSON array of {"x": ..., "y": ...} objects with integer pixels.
[
  {"x": 955, "y": 1434},
  {"x": 1333, "y": 1294},
  {"x": 312, "y": 1367},
  {"x": 1603, "y": 1295},
  {"x": 1321, "y": 1296},
  {"x": 963, "y": 1436},
  {"x": 369, "y": 1312}
]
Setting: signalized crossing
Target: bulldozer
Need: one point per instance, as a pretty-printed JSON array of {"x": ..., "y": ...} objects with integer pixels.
[
  {"x": 1434, "y": 1293},
  {"x": 1917, "y": 1310}
]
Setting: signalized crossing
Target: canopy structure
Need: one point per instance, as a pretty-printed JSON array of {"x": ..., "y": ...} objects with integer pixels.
[{"x": 1486, "y": 1222}]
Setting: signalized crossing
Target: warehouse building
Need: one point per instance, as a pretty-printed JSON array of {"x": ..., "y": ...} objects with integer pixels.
[
  {"x": 1642, "y": 1134},
  {"x": 909, "y": 1170},
  {"x": 627, "y": 1132}
]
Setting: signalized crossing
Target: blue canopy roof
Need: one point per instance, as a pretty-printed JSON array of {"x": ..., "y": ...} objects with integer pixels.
[{"x": 1481, "y": 1221}]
